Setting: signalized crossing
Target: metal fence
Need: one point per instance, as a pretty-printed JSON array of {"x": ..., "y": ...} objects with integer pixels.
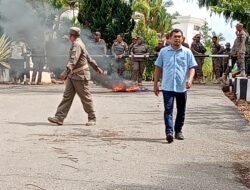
[{"x": 151, "y": 56}]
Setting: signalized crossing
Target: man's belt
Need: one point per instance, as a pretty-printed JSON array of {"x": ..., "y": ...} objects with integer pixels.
[{"x": 79, "y": 69}]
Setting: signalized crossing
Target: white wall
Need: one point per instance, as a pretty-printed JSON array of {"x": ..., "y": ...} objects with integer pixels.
[
  {"x": 189, "y": 25},
  {"x": 4, "y": 75}
]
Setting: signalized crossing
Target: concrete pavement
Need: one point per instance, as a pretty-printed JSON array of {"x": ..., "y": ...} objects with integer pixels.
[{"x": 127, "y": 149}]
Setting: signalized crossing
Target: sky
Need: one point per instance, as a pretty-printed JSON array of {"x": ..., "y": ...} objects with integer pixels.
[{"x": 216, "y": 22}]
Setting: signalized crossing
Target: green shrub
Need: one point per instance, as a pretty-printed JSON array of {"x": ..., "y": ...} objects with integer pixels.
[{"x": 207, "y": 68}]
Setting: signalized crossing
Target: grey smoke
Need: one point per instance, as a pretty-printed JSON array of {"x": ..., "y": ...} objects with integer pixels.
[
  {"x": 20, "y": 20},
  {"x": 33, "y": 23}
]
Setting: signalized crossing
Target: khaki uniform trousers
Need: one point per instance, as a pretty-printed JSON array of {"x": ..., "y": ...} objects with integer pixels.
[
  {"x": 241, "y": 61},
  {"x": 138, "y": 70},
  {"x": 81, "y": 88}
]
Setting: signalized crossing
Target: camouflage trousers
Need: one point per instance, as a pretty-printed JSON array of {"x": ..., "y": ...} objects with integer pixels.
[
  {"x": 138, "y": 70},
  {"x": 225, "y": 64},
  {"x": 198, "y": 70},
  {"x": 217, "y": 67},
  {"x": 81, "y": 88}
]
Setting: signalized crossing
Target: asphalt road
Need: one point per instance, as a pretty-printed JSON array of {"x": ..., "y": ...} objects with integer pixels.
[{"x": 126, "y": 150}]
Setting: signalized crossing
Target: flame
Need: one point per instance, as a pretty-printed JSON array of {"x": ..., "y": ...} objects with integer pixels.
[
  {"x": 124, "y": 88},
  {"x": 133, "y": 88},
  {"x": 119, "y": 88}
]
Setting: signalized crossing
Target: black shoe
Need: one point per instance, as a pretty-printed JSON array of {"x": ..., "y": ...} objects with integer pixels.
[
  {"x": 179, "y": 136},
  {"x": 170, "y": 138}
]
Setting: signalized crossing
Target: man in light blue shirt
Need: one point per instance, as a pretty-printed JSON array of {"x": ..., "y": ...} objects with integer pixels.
[{"x": 176, "y": 63}]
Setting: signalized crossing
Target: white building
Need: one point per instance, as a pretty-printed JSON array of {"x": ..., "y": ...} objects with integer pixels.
[
  {"x": 4, "y": 72},
  {"x": 189, "y": 25}
]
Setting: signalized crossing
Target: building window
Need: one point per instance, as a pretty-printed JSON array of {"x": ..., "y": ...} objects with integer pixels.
[{"x": 197, "y": 28}]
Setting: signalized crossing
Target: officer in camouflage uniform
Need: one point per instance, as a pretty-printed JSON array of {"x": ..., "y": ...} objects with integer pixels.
[
  {"x": 217, "y": 49},
  {"x": 226, "y": 51},
  {"x": 77, "y": 76},
  {"x": 119, "y": 49},
  {"x": 239, "y": 49},
  {"x": 139, "y": 63},
  {"x": 198, "y": 49}
]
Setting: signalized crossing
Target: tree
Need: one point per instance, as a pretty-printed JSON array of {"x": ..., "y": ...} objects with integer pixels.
[
  {"x": 62, "y": 6},
  {"x": 233, "y": 9},
  {"x": 152, "y": 22},
  {"x": 110, "y": 17},
  {"x": 206, "y": 34},
  {"x": 220, "y": 36},
  {"x": 154, "y": 14}
]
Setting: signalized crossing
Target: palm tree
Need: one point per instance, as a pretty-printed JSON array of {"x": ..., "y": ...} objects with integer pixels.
[
  {"x": 219, "y": 36},
  {"x": 4, "y": 53},
  {"x": 233, "y": 9},
  {"x": 162, "y": 21},
  {"x": 154, "y": 15},
  {"x": 62, "y": 6},
  {"x": 142, "y": 7}
]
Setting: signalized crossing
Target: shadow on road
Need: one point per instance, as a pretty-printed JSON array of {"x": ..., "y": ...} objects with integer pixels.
[
  {"x": 33, "y": 124},
  {"x": 30, "y": 124},
  {"x": 136, "y": 139}
]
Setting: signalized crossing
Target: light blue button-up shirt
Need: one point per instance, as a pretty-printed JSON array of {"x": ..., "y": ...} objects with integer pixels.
[{"x": 175, "y": 65}]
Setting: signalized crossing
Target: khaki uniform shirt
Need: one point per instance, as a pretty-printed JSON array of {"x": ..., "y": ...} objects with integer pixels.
[
  {"x": 79, "y": 57},
  {"x": 139, "y": 50},
  {"x": 101, "y": 44},
  {"x": 119, "y": 48},
  {"x": 239, "y": 44},
  {"x": 130, "y": 47}
]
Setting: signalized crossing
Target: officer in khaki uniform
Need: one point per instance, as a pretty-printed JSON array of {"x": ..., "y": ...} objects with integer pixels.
[
  {"x": 119, "y": 50},
  {"x": 139, "y": 63},
  {"x": 239, "y": 49},
  {"x": 77, "y": 77},
  {"x": 247, "y": 59},
  {"x": 134, "y": 39},
  {"x": 99, "y": 47},
  {"x": 100, "y": 43}
]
